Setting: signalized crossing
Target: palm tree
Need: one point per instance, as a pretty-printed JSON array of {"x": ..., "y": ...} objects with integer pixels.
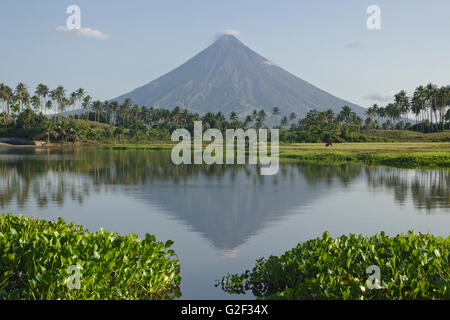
[
  {"x": 36, "y": 103},
  {"x": 276, "y": 112},
  {"x": 392, "y": 111},
  {"x": 106, "y": 110},
  {"x": 73, "y": 100},
  {"x": 292, "y": 116},
  {"x": 49, "y": 129},
  {"x": 447, "y": 115},
  {"x": 42, "y": 92},
  {"x": 421, "y": 103},
  {"x": 176, "y": 113},
  {"x": 59, "y": 95},
  {"x": 22, "y": 95},
  {"x": 6, "y": 95},
  {"x": 381, "y": 112},
  {"x": 254, "y": 115},
  {"x": 49, "y": 105},
  {"x": 86, "y": 105},
  {"x": 416, "y": 106},
  {"x": 443, "y": 100},
  {"x": 345, "y": 114},
  {"x": 262, "y": 115},
  {"x": 97, "y": 106},
  {"x": 126, "y": 108},
  {"x": 430, "y": 95},
  {"x": 247, "y": 121},
  {"x": 284, "y": 122},
  {"x": 402, "y": 103},
  {"x": 233, "y": 118},
  {"x": 113, "y": 107},
  {"x": 80, "y": 94}
]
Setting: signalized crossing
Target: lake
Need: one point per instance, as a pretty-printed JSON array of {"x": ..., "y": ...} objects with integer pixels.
[{"x": 222, "y": 218}]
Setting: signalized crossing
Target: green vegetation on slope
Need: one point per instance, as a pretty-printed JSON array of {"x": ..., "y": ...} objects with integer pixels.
[
  {"x": 412, "y": 266},
  {"x": 35, "y": 256}
]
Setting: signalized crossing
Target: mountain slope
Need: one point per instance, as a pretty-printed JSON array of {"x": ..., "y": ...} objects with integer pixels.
[{"x": 228, "y": 76}]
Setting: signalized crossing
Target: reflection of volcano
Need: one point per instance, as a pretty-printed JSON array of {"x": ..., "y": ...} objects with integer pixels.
[
  {"x": 225, "y": 204},
  {"x": 229, "y": 209}
]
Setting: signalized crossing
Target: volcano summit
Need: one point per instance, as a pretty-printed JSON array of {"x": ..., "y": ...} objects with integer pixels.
[{"x": 228, "y": 76}]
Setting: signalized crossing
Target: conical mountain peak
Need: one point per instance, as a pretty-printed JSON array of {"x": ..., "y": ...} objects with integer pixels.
[
  {"x": 228, "y": 76},
  {"x": 228, "y": 39},
  {"x": 228, "y": 42}
]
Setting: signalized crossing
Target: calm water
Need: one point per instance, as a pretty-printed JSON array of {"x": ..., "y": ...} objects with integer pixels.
[{"x": 222, "y": 218}]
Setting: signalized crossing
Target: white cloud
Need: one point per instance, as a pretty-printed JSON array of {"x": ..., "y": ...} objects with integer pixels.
[
  {"x": 270, "y": 63},
  {"x": 85, "y": 32},
  {"x": 381, "y": 96},
  {"x": 231, "y": 32}
]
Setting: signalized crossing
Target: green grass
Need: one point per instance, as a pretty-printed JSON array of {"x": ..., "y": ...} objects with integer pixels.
[
  {"x": 399, "y": 160},
  {"x": 35, "y": 256},
  {"x": 370, "y": 147},
  {"x": 412, "y": 266},
  {"x": 402, "y": 155},
  {"x": 156, "y": 146},
  {"x": 410, "y": 136}
]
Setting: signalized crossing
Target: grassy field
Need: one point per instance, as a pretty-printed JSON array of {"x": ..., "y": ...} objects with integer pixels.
[
  {"x": 369, "y": 147},
  {"x": 410, "y": 136},
  {"x": 402, "y": 155},
  {"x": 353, "y": 148},
  {"x": 395, "y": 154}
]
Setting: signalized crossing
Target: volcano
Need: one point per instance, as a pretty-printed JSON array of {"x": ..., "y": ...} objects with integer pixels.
[{"x": 228, "y": 76}]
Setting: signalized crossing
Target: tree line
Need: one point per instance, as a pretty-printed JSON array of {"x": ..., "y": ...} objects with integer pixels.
[
  {"x": 429, "y": 104},
  {"x": 45, "y": 112}
]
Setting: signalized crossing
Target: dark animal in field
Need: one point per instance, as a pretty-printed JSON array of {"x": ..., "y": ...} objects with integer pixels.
[{"x": 329, "y": 144}]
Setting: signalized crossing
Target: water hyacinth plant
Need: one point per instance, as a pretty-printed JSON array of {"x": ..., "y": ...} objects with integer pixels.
[
  {"x": 36, "y": 256},
  {"x": 412, "y": 266}
]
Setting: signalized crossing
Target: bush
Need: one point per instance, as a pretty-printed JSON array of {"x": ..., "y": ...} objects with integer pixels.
[
  {"x": 413, "y": 266},
  {"x": 35, "y": 256}
]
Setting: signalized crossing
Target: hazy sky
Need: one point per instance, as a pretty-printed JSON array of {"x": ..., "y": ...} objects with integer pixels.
[{"x": 130, "y": 43}]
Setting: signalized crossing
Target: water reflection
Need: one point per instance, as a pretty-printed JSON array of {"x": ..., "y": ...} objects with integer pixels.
[
  {"x": 428, "y": 189},
  {"x": 226, "y": 204}
]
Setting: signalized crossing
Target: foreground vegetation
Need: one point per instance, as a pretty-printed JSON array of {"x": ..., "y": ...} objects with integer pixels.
[
  {"x": 413, "y": 266},
  {"x": 35, "y": 256}
]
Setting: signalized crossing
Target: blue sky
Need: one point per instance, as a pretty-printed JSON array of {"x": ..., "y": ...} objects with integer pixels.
[{"x": 323, "y": 42}]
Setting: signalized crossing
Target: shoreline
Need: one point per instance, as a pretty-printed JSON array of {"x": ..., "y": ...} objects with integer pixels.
[{"x": 431, "y": 155}]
